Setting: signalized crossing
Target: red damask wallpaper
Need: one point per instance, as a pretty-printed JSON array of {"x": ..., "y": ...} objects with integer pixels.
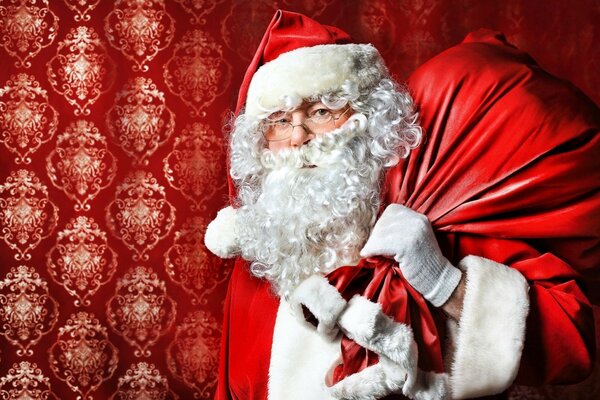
[{"x": 112, "y": 163}]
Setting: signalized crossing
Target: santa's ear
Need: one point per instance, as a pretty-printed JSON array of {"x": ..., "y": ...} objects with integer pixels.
[{"x": 221, "y": 236}]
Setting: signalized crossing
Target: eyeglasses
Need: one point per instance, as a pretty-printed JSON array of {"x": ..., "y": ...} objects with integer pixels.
[{"x": 278, "y": 126}]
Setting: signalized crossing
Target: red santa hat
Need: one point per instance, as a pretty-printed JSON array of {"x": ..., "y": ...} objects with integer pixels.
[{"x": 300, "y": 57}]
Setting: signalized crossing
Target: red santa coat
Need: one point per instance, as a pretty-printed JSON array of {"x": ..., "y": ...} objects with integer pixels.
[{"x": 509, "y": 176}]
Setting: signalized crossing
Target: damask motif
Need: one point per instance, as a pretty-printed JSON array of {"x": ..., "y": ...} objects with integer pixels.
[
  {"x": 513, "y": 14},
  {"x": 82, "y": 8},
  {"x": 241, "y": 37},
  {"x": 81, "y": 260},
  {"x": 139, "y": 120},
  {"x": 141, "y": 311},
  {"x": 140, "y": 215},
  {"x": 27, "y": 311},
  {"x": 559, "y": 35},
  {"x": 82, "y": 355},
  {"x": 314, "y": 8},
  {"x": 143, "y": 381},
  {"x": 81, "y": 164},
  {"x": 195, "y": 166},
  {"x": 25, "y": 381},
  {"x": 191, "y": 265},
  {"x": 198, "y": 8},
  {"x": 25, "y": 29},
  {"x": 26, "y": 118},
  {"x": 193, "y": 355},
  {"x": 81, "y": 70},
  {"x": 139, "y": 29},
  {"x": 197, "y": 71},
  {"x": 26, "y": 214},
  {"x": 376, "y": 18},
  {"x": 419, "y": 41}
]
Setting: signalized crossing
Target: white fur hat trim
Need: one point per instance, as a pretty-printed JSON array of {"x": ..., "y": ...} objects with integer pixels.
[
  {"x": 221, "y": 237},
  {"x": 309, "y": 71}
]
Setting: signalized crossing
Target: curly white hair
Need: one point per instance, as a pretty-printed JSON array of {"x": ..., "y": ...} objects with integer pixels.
[{"x": 293, "y": 221}]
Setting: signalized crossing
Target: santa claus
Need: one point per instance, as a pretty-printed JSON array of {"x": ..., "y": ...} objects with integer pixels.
[{"x": 342, "y": 288}]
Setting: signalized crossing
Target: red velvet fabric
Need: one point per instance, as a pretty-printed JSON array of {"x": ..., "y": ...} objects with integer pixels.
[{"x": 509, "y": 170}]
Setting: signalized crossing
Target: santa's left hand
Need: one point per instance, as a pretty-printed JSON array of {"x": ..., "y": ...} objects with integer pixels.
[
  {"x": 396, "y": 371},
  {"x": 364, "y": 322},
  {"x": 407, "y": 236}
]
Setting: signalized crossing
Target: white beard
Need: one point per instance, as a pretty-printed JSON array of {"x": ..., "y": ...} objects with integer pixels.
[{"x": 314, "y": 209}]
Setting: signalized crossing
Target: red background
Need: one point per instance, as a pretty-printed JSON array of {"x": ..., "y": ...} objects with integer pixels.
[{"x": 188, "y": 57}]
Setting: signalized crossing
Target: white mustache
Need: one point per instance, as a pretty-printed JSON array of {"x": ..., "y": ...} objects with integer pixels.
[{"x": 324, "y": 150}]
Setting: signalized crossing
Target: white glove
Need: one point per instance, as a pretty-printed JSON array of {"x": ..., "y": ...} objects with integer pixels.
[{"x": 407, "y": 236}]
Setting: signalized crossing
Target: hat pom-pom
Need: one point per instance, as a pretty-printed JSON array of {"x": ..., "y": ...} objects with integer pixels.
[{"x": 220, "y": 236}]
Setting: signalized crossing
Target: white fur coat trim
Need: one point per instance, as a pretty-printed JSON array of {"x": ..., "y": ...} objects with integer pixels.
[
  {"x": 300, "y": 359},
  {"x": 323, "y": 300},
  {"x": 491, "y": 329},
  {"x": 221, "y": 237},
  {"x": 309, "y": 71}
]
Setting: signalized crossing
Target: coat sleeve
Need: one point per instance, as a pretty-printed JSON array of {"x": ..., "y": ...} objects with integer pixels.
[{"x": 527, "y": 324}]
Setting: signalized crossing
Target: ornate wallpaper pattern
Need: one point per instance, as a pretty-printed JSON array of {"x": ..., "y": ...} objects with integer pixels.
[{"x": 112, "y": 163}]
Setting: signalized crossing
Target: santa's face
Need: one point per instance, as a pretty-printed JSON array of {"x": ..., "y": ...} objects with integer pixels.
[
  {"x": 302, "y": 221},
  {"x": 284, "y": 129}
]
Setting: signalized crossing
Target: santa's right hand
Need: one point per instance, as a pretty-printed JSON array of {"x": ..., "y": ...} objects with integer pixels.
[{"x": 318, "y": 302}]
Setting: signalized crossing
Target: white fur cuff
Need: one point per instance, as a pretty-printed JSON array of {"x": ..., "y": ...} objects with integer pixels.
[
  {"x": 221, "y": 238},
  {"x": 427, "y": 386},
  {"x": 373, "y": 382},
  {"x": 491, "y": 330},
  {"x": 323, "y": 300},
  {"x": 364, "y": 322},
  {"x": 386, "y": 377}
]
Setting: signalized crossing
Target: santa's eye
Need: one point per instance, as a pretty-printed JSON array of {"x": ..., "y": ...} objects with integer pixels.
[
  {"x": 320, "y": 113},
  {"x": 278, "y": 118}
]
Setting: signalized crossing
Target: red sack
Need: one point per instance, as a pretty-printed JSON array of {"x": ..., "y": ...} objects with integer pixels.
[{"x": 509, "y": 170}]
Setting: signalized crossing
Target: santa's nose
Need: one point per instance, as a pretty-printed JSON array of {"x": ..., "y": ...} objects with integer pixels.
[{"x": 300, "y": 133}]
